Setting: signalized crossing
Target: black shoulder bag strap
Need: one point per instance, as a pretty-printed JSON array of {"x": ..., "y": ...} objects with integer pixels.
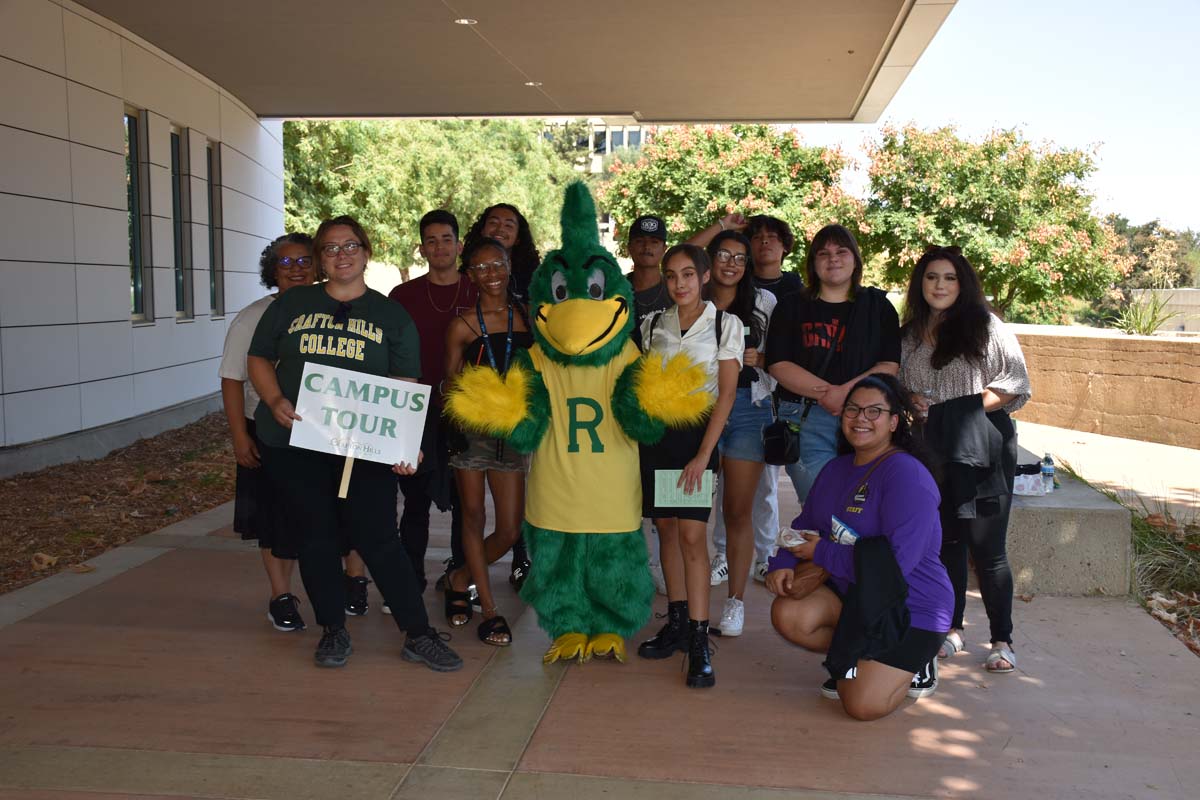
[{"x": 650, "y": 338}]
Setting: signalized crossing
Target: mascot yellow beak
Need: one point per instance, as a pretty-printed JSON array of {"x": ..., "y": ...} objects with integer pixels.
[{"x": 578, "y": 327}]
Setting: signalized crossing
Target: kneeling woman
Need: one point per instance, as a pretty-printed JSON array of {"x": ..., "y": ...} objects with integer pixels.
[
  {"x": 877, "y": 489},
  {"x": 714, "y": 340},
  {"x": 490, "y": 335}
]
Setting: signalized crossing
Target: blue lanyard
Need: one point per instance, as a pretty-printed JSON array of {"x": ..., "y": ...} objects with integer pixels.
[{"x": 487, "y": 340}]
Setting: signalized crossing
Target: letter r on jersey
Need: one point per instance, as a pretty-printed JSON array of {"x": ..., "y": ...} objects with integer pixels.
[{"x": 576, "y": 424}]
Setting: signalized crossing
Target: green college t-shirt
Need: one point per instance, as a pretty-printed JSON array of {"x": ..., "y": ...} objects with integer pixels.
[{"x": 378, "y": 338}]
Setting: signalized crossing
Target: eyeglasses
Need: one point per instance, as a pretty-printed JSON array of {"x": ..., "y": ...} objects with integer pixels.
[
  {"x": 489, "y": 266},
  {"x": 287, "y": 261},
  {"x": 349, "y": 248},
  {"x": 724, "y": 257},
  {"x": 871, "y": 413}
]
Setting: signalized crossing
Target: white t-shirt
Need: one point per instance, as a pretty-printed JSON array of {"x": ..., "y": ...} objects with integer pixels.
[
  {"x": 700, "y": 342},
  {"x": 237, "y": 344}
]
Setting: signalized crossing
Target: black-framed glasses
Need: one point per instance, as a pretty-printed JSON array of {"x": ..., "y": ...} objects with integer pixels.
[
  {"x": 724, "y": 257},
  {"x": 871, "y": 413},
  {"x": 287, "y": 261},
  {"x": 489, "y": 266},
  {"x": 349, "y": 248}
]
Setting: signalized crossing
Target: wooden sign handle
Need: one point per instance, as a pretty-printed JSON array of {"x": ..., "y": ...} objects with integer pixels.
[{"x": 345, "y": 485}]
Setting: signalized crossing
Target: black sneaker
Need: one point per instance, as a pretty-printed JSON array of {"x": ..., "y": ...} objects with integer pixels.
[
  {"x": 356, "y": 595},
  {"x": 283, "y": 614},
  {"x": 432, "y": 651},
  {"x": 925, "y": 682},
  {"x": 829, "y": 690},
  {"x": 334, "y": 648}
]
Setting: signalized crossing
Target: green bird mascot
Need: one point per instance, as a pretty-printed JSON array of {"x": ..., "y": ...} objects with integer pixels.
[{"x": 580, "y": 400}]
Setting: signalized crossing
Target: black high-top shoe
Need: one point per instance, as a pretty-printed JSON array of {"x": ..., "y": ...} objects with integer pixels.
[
  {"x": 700, "y": 673},
  {"x": 672, "y": 638}
]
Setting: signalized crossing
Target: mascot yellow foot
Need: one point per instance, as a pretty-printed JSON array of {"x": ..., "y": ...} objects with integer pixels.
[
  {"x": 566, "y": 647},
  {"x": 605, "y": 645}
]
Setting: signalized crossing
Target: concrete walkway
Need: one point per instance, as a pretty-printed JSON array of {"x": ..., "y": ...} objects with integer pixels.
[
  {"x": 1142, "y": 474},
  {"x": 157, "y": 676}
]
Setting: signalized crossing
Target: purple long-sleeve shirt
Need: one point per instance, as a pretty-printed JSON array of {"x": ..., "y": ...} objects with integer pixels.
[{"x": 901, "y": 503}]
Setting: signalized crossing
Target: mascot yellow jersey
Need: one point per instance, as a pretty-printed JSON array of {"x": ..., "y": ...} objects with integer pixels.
[{"x": 584, "y": 446}]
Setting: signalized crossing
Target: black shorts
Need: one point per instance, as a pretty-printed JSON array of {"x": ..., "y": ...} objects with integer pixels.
[
  {"x": 914, "y": 651},
  {"x": 674, "y": 451}
]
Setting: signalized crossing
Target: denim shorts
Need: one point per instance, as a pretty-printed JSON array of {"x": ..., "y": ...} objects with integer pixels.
[{"x": 742, "y": 438}]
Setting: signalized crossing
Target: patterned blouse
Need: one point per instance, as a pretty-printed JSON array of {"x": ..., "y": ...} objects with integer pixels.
[{"x": 1002, "y": 369}]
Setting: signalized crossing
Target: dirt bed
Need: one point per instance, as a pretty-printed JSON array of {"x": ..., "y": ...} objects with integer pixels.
[{"x": 58, "y": 518}]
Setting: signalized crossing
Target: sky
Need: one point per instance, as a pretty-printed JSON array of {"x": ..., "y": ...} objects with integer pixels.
[{"x": 1122, "y": 76}]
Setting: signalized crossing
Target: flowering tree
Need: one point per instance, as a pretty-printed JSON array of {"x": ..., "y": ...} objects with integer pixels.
[
  {"x": 691, "y": 175},
  {"x": 1019, "y": 211}
]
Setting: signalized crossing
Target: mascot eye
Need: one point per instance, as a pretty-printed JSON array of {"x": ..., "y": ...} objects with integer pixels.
[
  {"x": 558, "y": 287},
  {"x": 596, "y": 284}
]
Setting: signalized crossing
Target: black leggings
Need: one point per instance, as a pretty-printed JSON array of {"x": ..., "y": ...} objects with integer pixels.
[
  {"x": 307, "y": 481},
  {"x": 986, "y": 538}
]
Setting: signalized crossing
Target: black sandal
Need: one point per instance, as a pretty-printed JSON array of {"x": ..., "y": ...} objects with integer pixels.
[
  {"x": 491, "y": 627},
  {"x": 457, "y": 606}
]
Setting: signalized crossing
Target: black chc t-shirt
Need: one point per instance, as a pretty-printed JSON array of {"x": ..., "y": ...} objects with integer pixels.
[{"x": 803, "y": 329}]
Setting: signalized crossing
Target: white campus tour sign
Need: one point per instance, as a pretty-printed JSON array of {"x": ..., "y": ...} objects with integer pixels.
[{"x": 358, "y": 415}]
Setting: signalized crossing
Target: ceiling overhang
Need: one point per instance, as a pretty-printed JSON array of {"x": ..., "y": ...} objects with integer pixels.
[{"x": 668, "y": 61}]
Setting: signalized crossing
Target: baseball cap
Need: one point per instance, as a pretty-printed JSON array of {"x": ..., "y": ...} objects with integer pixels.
[{"x": 648, "y": 225}]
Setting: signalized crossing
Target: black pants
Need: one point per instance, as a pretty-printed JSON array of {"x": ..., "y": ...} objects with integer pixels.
[
  {"x": 307, "y": 481},
  {"x": 414, "y": 520},
  {"x": 986, "y": 538}
]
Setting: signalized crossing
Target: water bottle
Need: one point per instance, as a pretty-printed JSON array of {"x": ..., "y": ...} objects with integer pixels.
[{"x": 1048, "y": 474}]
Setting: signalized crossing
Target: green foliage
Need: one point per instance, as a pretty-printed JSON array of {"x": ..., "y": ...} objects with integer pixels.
[
  {"x": 389, "y": 173},
  {"x": 1145, "y": 315},
  {"x": 692, "y": 175},
  {"x": 1159, "y": 258},
  {"x": 1019, "y": 212}
]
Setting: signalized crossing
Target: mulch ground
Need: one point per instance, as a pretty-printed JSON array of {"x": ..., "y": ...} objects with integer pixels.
[{"x": 58, "y": 518}]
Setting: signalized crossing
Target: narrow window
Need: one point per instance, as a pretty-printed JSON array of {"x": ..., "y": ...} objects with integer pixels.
[
  {"x": 216, "y": 258},
  {"x": 181, "y": 224},
  {"x": 137, "y": 200}
]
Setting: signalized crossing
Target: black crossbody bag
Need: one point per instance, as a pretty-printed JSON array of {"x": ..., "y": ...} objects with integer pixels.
[{"x": 781, "y": 441}]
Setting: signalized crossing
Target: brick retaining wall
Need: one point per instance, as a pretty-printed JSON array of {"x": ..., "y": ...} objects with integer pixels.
[{"x": 1136, "y": 387}]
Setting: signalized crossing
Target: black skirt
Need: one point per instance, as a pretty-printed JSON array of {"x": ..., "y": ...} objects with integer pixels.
[
  {"x": 257, "y": 513},
  {"x": 674, "y": 451}
]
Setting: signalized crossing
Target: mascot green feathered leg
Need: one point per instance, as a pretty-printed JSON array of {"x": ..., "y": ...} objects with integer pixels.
[{"x": 580, "y": 400}]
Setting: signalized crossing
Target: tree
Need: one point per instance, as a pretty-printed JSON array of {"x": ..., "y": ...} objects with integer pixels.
[
  {"x": 389, "y": 173},
  {"x": 691, "y": 175},
  {"x": 1019, "y": 211}
]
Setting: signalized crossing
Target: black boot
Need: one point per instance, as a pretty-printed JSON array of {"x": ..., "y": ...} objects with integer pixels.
[
  {"x": 700, "y": 673},
  {"x": 672, "y": 638}
]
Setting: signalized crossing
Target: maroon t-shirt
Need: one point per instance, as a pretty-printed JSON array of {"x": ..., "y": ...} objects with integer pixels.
[{"x": 433, "y": 308}]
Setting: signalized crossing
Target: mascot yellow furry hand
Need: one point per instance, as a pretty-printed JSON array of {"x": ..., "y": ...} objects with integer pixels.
[{"x": 580, "y": 400}]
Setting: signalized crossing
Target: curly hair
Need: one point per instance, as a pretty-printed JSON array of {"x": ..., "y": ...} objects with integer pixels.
[
  {"x": 270, "y": 256},
  {"x": 524, "y": 255},
  {"x": 743, "y": 306},
  {"x": 962, "y": 329},
  {"x": 901, "y": 406}
]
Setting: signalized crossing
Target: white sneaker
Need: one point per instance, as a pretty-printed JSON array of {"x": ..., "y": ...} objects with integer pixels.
[
  {"x": 660, "y": 583},
  {"x": 760, "y": 571},
  {"x": 719, "y": 570},
  {"x": 733, "y": 617}
]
